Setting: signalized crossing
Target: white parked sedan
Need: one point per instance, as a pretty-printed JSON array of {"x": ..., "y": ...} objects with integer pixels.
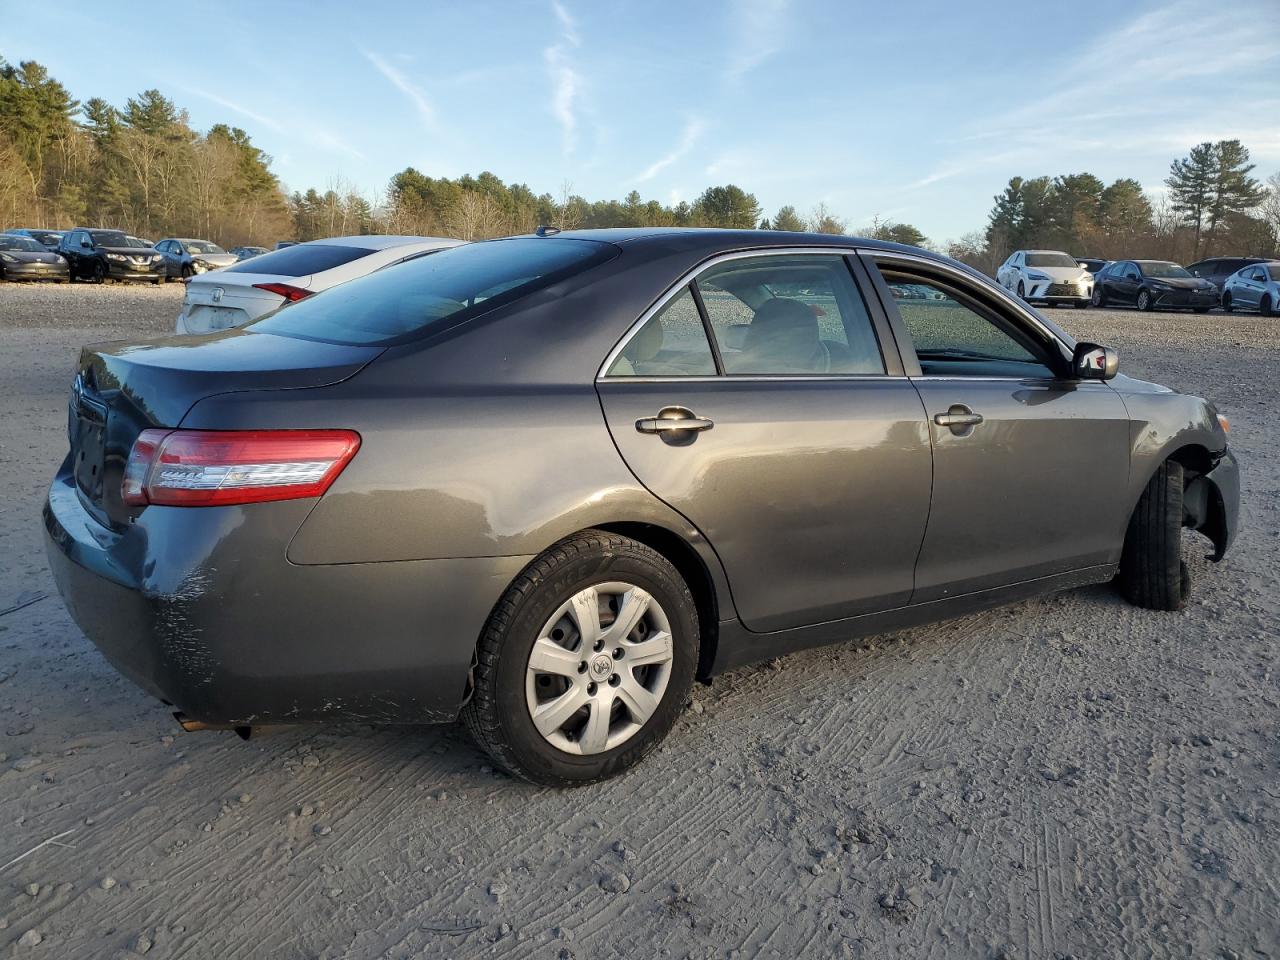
[
  {"x": 1050, "y": 276},
  {"x": 247, "y": 290}
]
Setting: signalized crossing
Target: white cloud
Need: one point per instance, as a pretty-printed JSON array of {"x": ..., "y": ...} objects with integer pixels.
[
  {"x": 426, "y": 111},
  {"x": 758, "y": 36},
  {"x": 566, "y": 84},
  {"x": 312, "y": 133},
  {"x": 693, "y": 129}
]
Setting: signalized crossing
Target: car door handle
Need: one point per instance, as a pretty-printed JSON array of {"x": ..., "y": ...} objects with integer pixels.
[
  {"x": 958, "y": 419},
  {"x": 674, "y": 422}
]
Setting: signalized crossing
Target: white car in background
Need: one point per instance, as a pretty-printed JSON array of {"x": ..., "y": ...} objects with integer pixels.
[
  {"x": 245, "y": 291},
  {"x": 1050, "y": 276}
]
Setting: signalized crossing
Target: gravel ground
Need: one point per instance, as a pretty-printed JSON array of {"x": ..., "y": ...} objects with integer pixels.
[{"x": 1065, "y": 777}]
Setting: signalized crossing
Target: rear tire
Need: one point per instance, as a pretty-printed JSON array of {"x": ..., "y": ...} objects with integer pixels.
[
  {"x": 1152, "y": 572},
  {"x": 1265, "y": 307},
  {"x": 499, "y": 714},
  {"x": 1226, "y": 303}
]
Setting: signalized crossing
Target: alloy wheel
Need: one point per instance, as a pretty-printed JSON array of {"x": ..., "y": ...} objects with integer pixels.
[
  {"x": 1144, "y": 300},
  {"x": 599, "y": 668}
]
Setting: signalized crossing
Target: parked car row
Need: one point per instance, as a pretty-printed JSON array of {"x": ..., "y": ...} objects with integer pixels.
[
  {"x": 1057, "y": 278},
  {"x": 96, "y": 255}
]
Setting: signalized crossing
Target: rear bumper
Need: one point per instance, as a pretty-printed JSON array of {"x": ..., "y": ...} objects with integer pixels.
[{"x": 200, "y": 608}]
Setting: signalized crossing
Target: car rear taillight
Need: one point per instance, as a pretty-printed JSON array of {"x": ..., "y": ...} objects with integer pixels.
[
  {"x": 205, "y": 468},
  {"x": 291, "y": 294}
]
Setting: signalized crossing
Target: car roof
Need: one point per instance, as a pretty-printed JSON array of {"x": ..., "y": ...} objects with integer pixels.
[
  {"x": 378, "y": 241},
  {"x": 716, "y": 239},
  {"x": 1063, "y": 252}
]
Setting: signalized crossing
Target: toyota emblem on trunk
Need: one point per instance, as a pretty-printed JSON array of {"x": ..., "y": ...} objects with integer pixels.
[{"x": 217, "y": 294}]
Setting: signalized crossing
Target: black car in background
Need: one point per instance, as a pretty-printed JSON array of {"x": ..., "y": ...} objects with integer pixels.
[
  {"x": 98, "y": 255},
  {"x": 49, "y": 239},
  {"x": 1217, "y": 269},
  {"x": 1152, "y": 285},
  {"x": 22, "y": 258},
  {"x": 1092, "y": 264}
]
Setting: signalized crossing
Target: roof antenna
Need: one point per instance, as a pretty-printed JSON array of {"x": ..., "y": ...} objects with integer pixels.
[{"x": 546, "y": 231}]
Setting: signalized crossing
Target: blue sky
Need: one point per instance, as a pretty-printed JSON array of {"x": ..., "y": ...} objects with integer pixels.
[{"x": 917, "y": 112}]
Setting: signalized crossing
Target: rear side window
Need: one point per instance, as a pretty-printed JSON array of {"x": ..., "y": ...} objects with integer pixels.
[
  {"x": 395, "y": 304},
  {"x": 672, "y": 344},
  {"x": 301, "y": 260}
]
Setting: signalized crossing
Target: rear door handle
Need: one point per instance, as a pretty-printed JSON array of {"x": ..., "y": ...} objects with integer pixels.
[{"x": 674, "y": 424}]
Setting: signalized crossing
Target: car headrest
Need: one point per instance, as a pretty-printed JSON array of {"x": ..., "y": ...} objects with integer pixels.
[
  {"x": 785, "y": 334},
  {"x": 646, "y": 344}
]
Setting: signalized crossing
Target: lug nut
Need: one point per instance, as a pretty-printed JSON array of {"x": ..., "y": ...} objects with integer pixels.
[
  {"x": 591, "y": 689},
  {"x": 615, "y": 680},
  {"x": 617, "y": 654},
  {"x": 582, "y": 667}
]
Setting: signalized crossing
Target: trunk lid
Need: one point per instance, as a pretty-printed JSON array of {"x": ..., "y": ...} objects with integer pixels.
[
  {"x": 121, "y": 389},
  {"x": 219, "y": 300}
]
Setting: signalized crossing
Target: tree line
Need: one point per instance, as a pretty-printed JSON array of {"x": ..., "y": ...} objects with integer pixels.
[
  {"x": 1212, "y": 204},
  {"x": 143, "y": 168}
]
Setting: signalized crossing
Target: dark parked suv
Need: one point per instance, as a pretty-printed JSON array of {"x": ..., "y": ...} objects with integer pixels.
[
  {"x": 99, "y": 255},
  {"x": 1217, "y": 269}
]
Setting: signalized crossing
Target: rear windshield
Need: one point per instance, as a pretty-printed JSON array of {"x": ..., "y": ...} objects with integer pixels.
[
  {"x": 301, "y": 260},
  {"x": 462, "y": 282},
  {"x": 1050, "y": 260}
]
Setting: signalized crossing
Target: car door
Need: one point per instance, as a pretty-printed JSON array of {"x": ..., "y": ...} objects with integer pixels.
[
  {"x": 75, "y": 251},
  {"x": 806, "y": 464},
  {"x": 1030, "y": 466},
  {"x": 1253, "y": 286},
  {"x": 1127, "y": 283}
]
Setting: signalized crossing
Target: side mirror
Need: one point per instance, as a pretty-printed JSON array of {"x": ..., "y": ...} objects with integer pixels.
[
  {"x": 1094, "y": 362},
  {"x": 86, "y": 244}
]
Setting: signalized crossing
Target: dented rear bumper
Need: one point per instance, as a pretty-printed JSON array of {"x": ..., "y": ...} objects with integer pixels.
[{"x": 201, "y": 608}]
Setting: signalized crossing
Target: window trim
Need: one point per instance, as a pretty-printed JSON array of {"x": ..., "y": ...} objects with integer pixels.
[
  {"x": 889, "y": 350},
  {"x": 978, "y": 292}
]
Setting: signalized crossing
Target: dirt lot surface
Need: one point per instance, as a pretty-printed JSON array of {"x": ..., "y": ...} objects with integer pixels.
[{"x": 1065, "y": 777}]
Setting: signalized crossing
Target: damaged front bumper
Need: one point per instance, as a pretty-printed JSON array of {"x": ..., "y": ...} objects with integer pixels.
[
  {"x": 201, "y": 608},
  {"x": 1211, "y": 504}
]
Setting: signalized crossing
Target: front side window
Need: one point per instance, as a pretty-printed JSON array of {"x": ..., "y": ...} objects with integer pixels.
[
  {"x": 789, "y": 314},
  {"x": 954, "y": 337},
  {"x": 673, "y": 343}
]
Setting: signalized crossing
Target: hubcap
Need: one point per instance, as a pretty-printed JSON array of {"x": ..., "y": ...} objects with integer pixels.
[{"x": 599, "y": 668}]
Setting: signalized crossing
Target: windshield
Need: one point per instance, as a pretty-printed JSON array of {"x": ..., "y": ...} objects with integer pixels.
[
  {"x": 24, "y": 244},
  {"x": 1273, "y": 271},
  {"x": 202, "y": 246},
  {"x": 110, "y": 238},
  {"x": 392, "y": 304},
  {"x": 1159, "y": 268},
  {"x": 1050, "y": 260}
]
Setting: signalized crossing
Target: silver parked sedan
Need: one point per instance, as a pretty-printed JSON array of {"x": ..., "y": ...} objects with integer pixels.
[
  {"x": 544, "y": 483},
  {"x": 1255, "y": 287}
]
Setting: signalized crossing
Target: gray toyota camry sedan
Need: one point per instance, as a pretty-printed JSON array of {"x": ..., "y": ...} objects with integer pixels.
[{"x": 545, "y": 483}]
